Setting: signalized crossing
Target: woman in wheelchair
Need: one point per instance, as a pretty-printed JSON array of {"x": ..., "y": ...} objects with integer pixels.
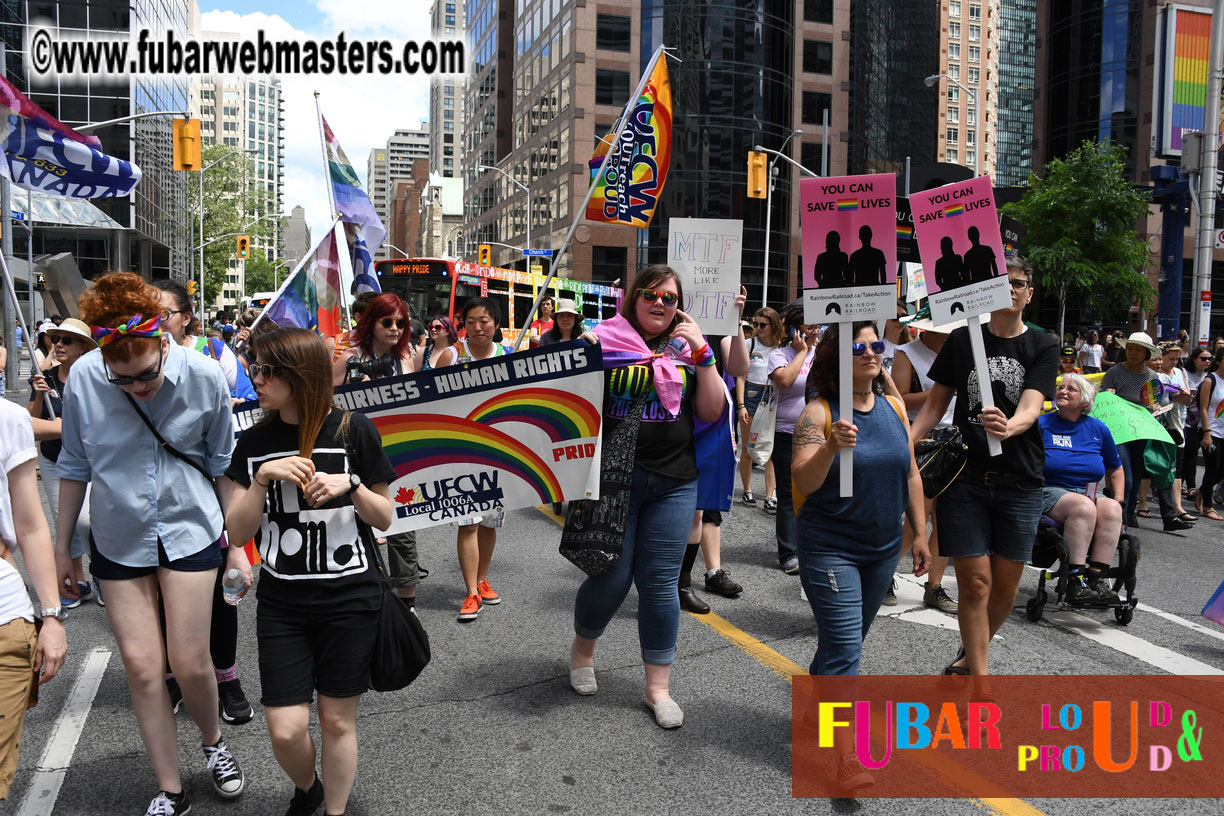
[{"x": 1080, "y": 451}]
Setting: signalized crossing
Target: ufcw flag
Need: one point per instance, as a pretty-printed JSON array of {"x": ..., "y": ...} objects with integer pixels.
[
  {"x": 628, "y": 190},
  {"x": 310, "y": 298},
  {"x": 363, "y": 230},
  {"x": 41, "y": 153}
]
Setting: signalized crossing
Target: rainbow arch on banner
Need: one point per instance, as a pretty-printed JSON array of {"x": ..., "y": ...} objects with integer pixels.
[
  {"x": 419, "y": 441},
  {"x": 559, "y": 414}
]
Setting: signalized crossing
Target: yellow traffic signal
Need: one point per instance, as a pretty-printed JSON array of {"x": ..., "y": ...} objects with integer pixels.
[
  {"x": 191, "y": 287},
  {"x": 244, "y": 247},
  {"x": 756, "y": 174},
  {"x": 485, "y": 255},
  {"x": 187, "y": 145}
]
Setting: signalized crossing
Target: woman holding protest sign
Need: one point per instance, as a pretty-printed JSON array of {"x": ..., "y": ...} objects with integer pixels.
[
  {"x": 749, "y": 390},
  {"x": 311, "y": 481},
  {"x": 658, "y": 363},
  {"x": 477, "y": 536}
]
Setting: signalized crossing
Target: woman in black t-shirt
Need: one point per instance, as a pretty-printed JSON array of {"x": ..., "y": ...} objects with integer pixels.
[
  {"x": 680, "y": 384},
  {"x": 315, "y": 482}
]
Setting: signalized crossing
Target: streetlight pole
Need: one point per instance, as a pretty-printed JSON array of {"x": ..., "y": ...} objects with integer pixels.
[
  {"x": 95, "y": 125},
  {"x": 773, "y": 176},
  {"x": 977, "y": 117},
  {"x": 525, "y": 188}
]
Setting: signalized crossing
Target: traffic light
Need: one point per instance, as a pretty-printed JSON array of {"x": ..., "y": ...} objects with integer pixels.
[
  {"x": 187, "y": 145},
  {"x": 244, "y": 247},
  {"x": 191, "y": 287},
  {"x": 485, "y": 255},
  {"x": 756, "y": 174}
]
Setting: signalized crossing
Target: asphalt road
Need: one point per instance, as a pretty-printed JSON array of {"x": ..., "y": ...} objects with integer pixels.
[{"x": 493, "y": 727}]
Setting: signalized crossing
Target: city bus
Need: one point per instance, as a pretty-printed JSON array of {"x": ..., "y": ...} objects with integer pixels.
[
  {"x": 433, "y": 286},
  {"x": 256, "y": 301}
]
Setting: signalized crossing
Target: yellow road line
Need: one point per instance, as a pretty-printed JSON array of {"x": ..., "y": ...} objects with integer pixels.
[{"x": 786, "y": 668}]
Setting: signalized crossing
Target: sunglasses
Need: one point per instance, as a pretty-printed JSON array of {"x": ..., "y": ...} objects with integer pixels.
[
  {"x": 262, "y": 370},
  {"x": 651, "y": 295},
  {"x": 877, "y": 348},
  {"x": 62, "y": 339},
  {"x": 387, "y": 322},
  {"x": 144, "y": 376},
  {"x": 760, "y": 324},
  {"x": 437, "y": 327}
]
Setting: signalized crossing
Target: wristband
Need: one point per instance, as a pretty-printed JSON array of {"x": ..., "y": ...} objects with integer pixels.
[
  {"x": 704, "y": 356},
  {"x": 255, "y": 479}
]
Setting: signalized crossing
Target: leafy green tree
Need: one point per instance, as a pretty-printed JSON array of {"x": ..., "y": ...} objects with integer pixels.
[
  {"x": 1079, "y": 221},
  {"x": 232, "y": 200},
  {"x": 261, "y": 274}
]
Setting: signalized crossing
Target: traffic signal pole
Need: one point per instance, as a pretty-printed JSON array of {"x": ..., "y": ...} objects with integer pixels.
[{"x": 1204, "y": 248}]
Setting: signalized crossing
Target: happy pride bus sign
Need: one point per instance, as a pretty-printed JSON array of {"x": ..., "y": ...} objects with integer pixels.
[{"x": 499, "y": 434}]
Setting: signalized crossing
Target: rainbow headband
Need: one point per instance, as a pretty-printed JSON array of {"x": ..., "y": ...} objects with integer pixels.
[{"x": 133, "y": 328}]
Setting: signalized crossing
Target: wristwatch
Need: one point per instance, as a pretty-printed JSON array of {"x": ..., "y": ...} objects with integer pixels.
[
  {"x": 354, "y": 482},
  {"x": 57, "y": 612}
]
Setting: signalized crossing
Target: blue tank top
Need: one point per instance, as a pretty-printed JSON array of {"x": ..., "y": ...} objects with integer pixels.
[{"x": 866, "y": 526}]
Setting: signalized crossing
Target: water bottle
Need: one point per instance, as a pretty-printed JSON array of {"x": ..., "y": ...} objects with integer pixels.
[{"x": 232, "y": 586}]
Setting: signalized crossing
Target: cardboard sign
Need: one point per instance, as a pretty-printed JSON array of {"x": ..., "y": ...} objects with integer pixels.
[
  {"x": 849, "y": 247},
  {"x": 962, "y": 250},
  {"x": 705, "y": 253},
  {"x": 907, "y": 246}
]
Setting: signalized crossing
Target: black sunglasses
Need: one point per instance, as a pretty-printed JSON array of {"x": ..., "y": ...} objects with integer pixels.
[
  {"x": 760, "y": 324},
  {"x": 877, "y": 348},
  {"x": 386, "y": 323},
  {"x": 262, "y": 370},
  {"x": 62, "y": 339},
  {"x": 144, "y": 376}
]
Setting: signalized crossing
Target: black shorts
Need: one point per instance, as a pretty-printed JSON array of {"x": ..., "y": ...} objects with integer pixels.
[
  {"x": 304, "y": 649},
  {"x": 711, "y": 517},
  {"x": 104, "y": 569}
]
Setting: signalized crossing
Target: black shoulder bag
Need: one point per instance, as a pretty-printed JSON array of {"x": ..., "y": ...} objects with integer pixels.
[
  {"x": 941, "y": 458},
  {"x": 170, "y": 449},
  {"x": 401, "y": 647}
]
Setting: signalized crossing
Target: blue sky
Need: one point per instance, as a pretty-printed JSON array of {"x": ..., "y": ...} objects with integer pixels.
[{"x": 303, "y": 15}]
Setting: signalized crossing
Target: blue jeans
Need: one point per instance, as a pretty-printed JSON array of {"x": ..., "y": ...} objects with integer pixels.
[
  {"x": 660, "y": 515},
  {"x": 845, "y": 596},
  {"x": 785, "y": 520},
  {"x": 1131, "y": 454}
]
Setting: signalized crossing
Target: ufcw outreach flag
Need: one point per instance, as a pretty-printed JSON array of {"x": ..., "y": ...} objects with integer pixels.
[
  {"x": 310, "y": 298},
  {"x": 363, "y": 229},
  {"x": 628, "y": 190},
  {"x": 41, "y": 153}
]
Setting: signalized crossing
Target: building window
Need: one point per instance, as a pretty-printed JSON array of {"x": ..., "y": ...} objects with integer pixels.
[
  {"x": 951, "y": 154},
  {"x": 611, "y": 87},
  {"x": 954, "y": 72},
  {"x": 818, "y": 11},
  {"x": 953, "y": 115},
  {"x": 975, "y": 11},
  {"x": 810, "y": 156},
  {"x": 953, "y": 93},
  {"x": 971, "y": 117},
  {"x": 952, "y": 135},
  {"x": 975, "y": 53},
  {"x": 969, "y": 156},
  {"x": 954, "y": 8},
  {"x": 970, "y": 139},
  {"x": 953, "y": 51},
  {"x": 975, "y": 76},
  {"x": 608, "y": 264},
  {"x": 953, "y": 31},
  {"x": 975, "y": 33},
  {"x": 814, "y": 106},
  {"x": 613, "y": 32},
  {"x": 817, "y": 57}
]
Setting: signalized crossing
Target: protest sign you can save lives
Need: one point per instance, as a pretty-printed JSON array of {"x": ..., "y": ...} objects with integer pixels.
[
  {"x": 705, "y": 253},
  {"x": 962, "y": 252},
  {"x": 849, "y": 247},
  {"x": 498, "y": 434}
]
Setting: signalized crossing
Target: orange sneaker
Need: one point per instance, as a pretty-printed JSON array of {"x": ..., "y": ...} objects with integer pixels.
[
  {"x": 471, "y": 608},
  {"x": 487, "y": 594}
]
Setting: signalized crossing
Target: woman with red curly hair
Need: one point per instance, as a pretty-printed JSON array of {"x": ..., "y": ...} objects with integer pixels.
[
  {"x": 155, "y": 517},
  {"x": 382, "y": 344}
]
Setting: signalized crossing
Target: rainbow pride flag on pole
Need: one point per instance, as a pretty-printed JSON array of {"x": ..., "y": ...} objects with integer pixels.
[
  {"x": 310, "y": 297},
  {"x": 363, "y": 229},
  {"x": 627, "y": 189}
]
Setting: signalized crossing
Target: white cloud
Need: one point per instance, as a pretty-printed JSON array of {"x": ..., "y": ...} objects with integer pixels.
[{"x": 362, "y": 110}]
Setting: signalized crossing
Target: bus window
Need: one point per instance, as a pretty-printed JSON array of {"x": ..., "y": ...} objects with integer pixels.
[{"x": 463, "y": 293}]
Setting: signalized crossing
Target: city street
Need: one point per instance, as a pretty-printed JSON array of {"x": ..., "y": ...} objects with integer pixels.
[{"x": 492, "y": 726}]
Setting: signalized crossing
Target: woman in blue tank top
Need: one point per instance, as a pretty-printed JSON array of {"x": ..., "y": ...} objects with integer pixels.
[{"x": 848, "y": 547}]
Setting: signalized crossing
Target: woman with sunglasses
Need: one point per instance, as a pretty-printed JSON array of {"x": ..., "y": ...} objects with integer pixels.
[
  {"x": 381, "y": 343},
  {"x": 155, "y": 518},
  {"x": 310, "y": 483},
  {"x": 1211, "y": 417},
  {"x": 441, "y": 336},
  {"x": 848, "y": 546},
  {"x": 477, "y": 537},
  {"x": 680, "y": 385},
  {"x": 1196, "y": 371},
  {"x": 180, "y": 323},
  {"x": 767, "y": 325},
  {"x": 68, "y": 342}
]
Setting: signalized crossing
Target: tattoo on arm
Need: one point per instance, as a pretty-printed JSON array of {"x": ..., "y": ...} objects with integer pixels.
[{"x": 806, "y": 433}]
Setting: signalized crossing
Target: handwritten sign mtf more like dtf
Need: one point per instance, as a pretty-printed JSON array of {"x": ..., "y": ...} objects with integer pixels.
[{"x": 706, "y": 253}]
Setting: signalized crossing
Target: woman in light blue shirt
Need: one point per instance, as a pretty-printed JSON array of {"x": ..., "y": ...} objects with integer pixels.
[{"x": 155, "y": 517}]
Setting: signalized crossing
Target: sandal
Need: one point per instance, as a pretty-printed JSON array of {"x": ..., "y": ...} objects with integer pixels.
[
  {"x": 1187, "y": 517},
  {"x": 953, "y": 669},
  {"x": 1210, "y": 513},
  {"x": 1144, "y": 514}
]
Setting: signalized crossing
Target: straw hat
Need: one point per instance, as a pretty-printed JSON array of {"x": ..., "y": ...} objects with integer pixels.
[
  {"x": 71, "y": 326},
  {"x": 566, "y": 306},
  {"x": 1142, "y": 339}
]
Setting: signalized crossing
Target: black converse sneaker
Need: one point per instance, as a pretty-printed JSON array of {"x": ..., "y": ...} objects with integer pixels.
[
  {"x": 169, "y": 804},
  {"x": 306, "y": 802},
  {"x": 227, "y": 776}
]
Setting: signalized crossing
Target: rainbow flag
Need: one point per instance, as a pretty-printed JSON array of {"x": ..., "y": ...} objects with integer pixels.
[
  {"x": 363, "y": 229},
  {"x": 847, "y": 204},
  {"x": 905, "y": 232},
  {"x": 1150, "y": 393},
  {"x": 1219, "y": 411},
  {"x": 628, "y": 191},
  {"x": 953, "y": 210},
  {"x": 310, "y": 297}
]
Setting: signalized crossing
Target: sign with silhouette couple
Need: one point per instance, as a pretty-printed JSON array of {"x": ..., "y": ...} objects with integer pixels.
[
  {"x": 849, "y": 248},
  {"x": 961, "y": 249}
]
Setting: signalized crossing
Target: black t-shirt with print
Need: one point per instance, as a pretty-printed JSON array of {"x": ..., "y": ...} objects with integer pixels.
[
  {"x": 665, "y": 442},
  {"x": 310, "y": 556},
  {"x": 1029, "y": 360}
]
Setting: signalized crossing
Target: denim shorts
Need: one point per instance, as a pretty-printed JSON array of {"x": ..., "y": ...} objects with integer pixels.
[
  {"x": 104, "y": 569},
  {"x": 979, "y": 519},
  {"x": 752, "y": 398}
]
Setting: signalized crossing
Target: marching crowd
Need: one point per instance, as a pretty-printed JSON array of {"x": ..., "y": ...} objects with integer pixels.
[{"x": 136, "y": 453}]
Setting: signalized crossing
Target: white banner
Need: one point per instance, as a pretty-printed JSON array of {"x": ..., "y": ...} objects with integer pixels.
[{"x": 705, "y": 252}]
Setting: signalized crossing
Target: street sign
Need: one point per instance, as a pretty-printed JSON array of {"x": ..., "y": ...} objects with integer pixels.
[
  {"x": 20, "y": 216},
  {"x": 1219, "y": 239},
  {"x": 1205, "y": 314},
  {"x": 537, "y": 253}
]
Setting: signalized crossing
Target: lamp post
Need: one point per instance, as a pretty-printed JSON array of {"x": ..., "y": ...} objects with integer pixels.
[
  {"x": 977, "y": 117},
  {"x": 390, "y": 245},
  {"x": 773, "y": 175},
  {"x": 204, "y": 167},
  {"x": 522, "y": 187}
]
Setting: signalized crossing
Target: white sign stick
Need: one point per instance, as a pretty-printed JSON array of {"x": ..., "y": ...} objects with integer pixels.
[
  {"x": 845, "y": 403},
  {"x": 977, "y": 325}
]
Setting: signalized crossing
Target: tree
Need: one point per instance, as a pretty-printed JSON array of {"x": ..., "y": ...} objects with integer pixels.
[
  {"x": 261, "y": 274},
  {"x": 1079, "y": 231},
  {"x": 232, "y": 200}
]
